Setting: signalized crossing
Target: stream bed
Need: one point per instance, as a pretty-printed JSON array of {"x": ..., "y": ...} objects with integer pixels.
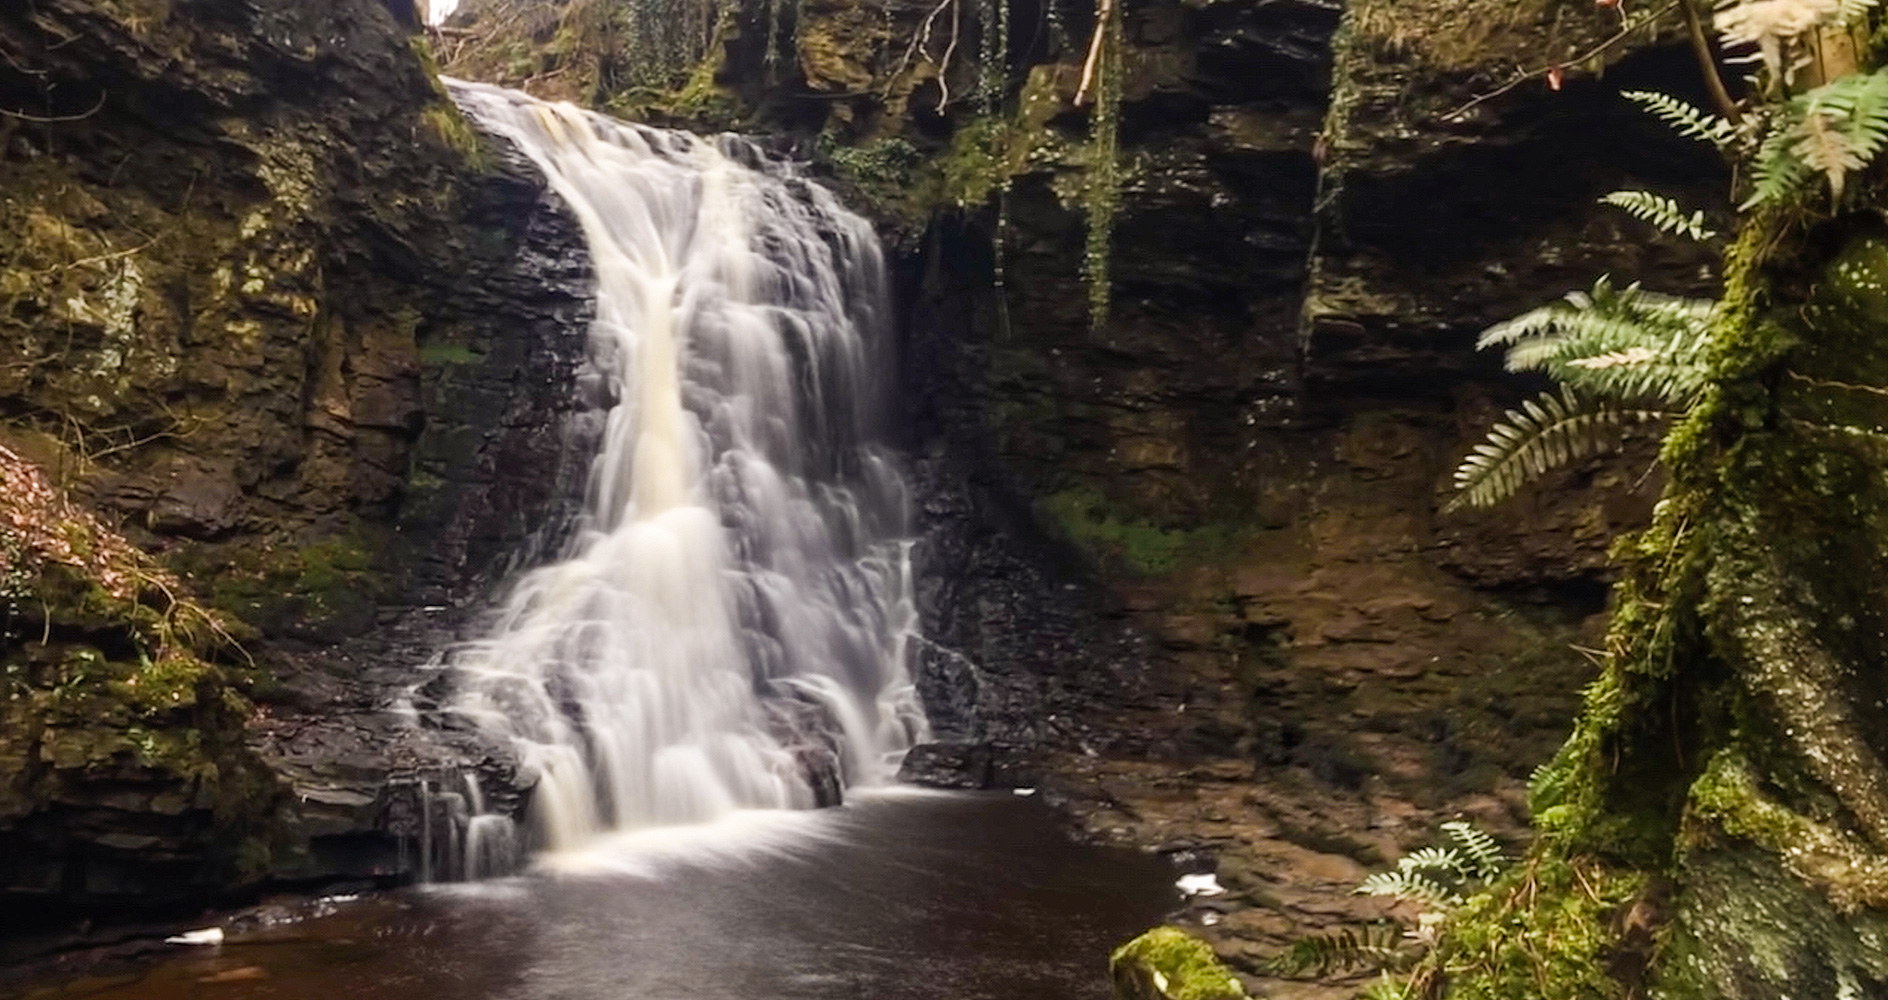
[{"x": 899, "y": 895}]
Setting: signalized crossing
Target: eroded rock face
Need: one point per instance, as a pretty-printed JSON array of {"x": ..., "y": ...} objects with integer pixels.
[{"x": 270, "y": 307}]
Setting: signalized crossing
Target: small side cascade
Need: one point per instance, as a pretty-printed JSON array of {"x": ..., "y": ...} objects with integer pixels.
[
  {"x": 731, "y": 624},
  {"x": 452, "y": 832},
  {"x": 491, "y": 839}
]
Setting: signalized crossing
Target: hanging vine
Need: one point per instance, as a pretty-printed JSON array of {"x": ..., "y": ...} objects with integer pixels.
[
  {"x": 1101, "y": 195},
  {"x": 640, "y": 43},
  {"x": 1058, "y": 21},
  {"x": 993, "y": 68},
  {"x": 783, "y": 18}
]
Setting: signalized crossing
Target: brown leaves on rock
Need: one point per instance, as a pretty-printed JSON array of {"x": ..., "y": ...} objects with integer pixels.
[{"x": 40, "y": 525}]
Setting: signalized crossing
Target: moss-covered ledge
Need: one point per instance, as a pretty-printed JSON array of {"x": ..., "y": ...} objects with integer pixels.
[{"x": 122, "y": 728}]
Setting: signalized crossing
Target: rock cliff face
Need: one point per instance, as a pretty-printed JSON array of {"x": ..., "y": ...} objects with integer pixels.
[
  {"x": 269, "y": 308},
  {"x": 1301, "y": 665}
]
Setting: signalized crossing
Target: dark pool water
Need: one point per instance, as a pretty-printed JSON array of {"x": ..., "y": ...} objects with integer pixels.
[{"x": 901, "y": 896}]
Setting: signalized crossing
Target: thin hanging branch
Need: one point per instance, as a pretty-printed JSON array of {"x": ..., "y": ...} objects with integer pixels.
[
  {"x": 55, "y": 119},
  {"x": 1524, "y": 76},
  {"x": 1708, "y": 65},
  {"x": 921, "y": 42},
  {"x": 1094, "y": 52},
  {"x": 944, "y": 68}
]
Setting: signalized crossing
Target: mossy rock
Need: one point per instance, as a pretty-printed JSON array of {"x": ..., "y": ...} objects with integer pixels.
[
  {"x": 1167, "y": 963},
  {"x": 1749, "y": 929}
]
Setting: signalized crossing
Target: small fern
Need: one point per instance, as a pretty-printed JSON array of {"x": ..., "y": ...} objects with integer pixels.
[
  {"x": 1439, "y": 877},
  {"x": 1439, "y": 874},
  {"x": 1834, "y": 130},
  {"x": 1661, "y": 212},
  {"x": 1372, "y": 946},
  {"x": 1686, "y": 119},
  {"x": 1481, "y": 855},
  {"x": 1414, "y": 885}
]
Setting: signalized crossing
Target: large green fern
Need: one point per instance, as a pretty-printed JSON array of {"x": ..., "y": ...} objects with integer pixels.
[
  {"x": 1624, "y": 344},
  {"x": 1622, "y": 356}
]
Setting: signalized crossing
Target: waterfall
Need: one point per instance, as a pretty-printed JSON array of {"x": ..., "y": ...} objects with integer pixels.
[{"x": 727, "y": 628}]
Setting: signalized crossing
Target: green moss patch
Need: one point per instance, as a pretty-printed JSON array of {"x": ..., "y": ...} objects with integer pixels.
[
  {"x": 1167, "y": 963},
  {"x": 1550, "y": 930},
  {"x": 1111, "y": 536}
]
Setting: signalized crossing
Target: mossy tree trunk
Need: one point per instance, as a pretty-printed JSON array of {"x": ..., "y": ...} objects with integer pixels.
[{"x": 1717, "y": 826}]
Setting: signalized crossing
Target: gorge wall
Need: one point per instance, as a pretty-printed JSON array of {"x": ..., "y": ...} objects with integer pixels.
[
  {"x": 279, "y": 316},
  {"x": 1186, "y": 567},
  {"x": 276, "y": 316}
]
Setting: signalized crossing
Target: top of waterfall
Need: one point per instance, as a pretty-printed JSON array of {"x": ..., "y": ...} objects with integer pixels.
[{"x": 741, "y": 149}]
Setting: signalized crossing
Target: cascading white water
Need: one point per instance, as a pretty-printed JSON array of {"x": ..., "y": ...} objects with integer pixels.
[{"x": 728, "y": 626}]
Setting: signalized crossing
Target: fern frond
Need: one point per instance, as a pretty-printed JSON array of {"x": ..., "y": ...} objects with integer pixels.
[
  {"x": 1825, "y": 148},
  {"x": 1533, "y": 323},
  {"x": 1372, "y": 946},
  {"x": 1592, "y": 332},
  {"x": 1836, "y": 129},
  {"x": 1548, "y": 318},
  {"x": 1661, "y": 212},
  {"x": 1442, "y": 859},
  {"x": 1776, "y": 171},
  {"x": 1410, "y": 886},
  {"x": 1624, "y": 344},
  {"x": 1548, "y": 432},
  {"x": 1545, "y": 783},
  {"x": 1844, "y": 124},
  {"x": 1777, "y": 28},
  {"x": 1686, "y": 119},
  {"x": 1484, "y": 859},
  {"x": 1635, "y": 374}
]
